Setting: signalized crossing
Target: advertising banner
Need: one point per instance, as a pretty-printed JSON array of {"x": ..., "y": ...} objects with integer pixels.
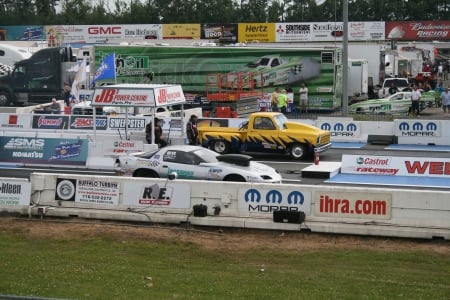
[
  {"x": 47, "y": 151},
  {"x": 418, "y": 30},
  {"x": 225, "y": 32},
  {"x": 87, "y": 122},
  {"x": 265, "y": 201},
  {"x": 156, "y": 195},
  {"x": 370, "y": 206},
  {"x": 120, "y": 147},
  {"x": 190, "y": 67},
  {"x": 14, "y": 191},
  {"x": 256, "y": 32},
  {"x": 15, "y": 121},
  {"x": 396, "y": 166},
  {"x": 181, "y": 31},
  {"x": 341, "y": 128},
  {"x": 93, "y": 34},
  {"x": 50, "y": 122},
  {"x": 417, "y": 128},
  {"x": 89, "y": 191}
]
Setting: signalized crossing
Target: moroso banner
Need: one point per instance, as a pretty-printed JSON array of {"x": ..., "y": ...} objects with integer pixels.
[{"x": 418, "y": 30}]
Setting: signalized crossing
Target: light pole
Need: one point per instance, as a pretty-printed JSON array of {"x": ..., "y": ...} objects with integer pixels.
[{"x": 345, "y": 59}]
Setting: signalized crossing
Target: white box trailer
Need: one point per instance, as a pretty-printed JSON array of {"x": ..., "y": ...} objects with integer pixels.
[{"x": 358, "y": 77}]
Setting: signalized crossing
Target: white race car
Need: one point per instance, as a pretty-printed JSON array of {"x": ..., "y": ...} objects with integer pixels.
[
  {"x": 194, "y": 162},
  {"x": 397, "y": 103}
]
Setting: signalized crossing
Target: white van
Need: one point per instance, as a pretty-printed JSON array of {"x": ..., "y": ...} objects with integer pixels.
[{"x": 9, "y": 54}]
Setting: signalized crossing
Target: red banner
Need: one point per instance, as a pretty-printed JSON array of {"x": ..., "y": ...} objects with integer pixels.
[{"x": 418, "y": 30}]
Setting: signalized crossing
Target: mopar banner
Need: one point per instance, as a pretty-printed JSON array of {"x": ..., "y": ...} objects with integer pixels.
[
  {"x": 266, "y": 201},
  {"x": 47, "y": 151}
]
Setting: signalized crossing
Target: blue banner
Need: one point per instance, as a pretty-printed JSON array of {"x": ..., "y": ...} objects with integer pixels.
[{"x": 28, "y": 150}]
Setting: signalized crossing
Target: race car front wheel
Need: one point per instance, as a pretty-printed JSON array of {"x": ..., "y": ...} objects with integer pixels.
[{"x": 297, "y": 151}]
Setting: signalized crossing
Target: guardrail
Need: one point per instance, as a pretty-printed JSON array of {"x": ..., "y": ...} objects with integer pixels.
[{"x": 330, "y": 209}]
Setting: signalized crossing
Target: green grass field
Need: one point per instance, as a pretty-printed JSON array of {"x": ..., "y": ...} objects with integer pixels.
[{"x": 107, "y": 266}]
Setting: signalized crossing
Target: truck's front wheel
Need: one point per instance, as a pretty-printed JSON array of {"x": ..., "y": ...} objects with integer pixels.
[
  {"x": 221, "y": 146},
  {"x": 298, "y": 151},
  {"x": 5, "y": 99}
]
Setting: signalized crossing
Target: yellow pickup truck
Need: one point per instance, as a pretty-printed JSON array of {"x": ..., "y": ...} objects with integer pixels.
[{"x": 268, "y": 132}]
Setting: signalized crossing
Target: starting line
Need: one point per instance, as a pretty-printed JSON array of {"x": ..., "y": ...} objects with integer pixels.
[
  {"x": 419, "y": 147},
  {"x": 390, "y": 180}
]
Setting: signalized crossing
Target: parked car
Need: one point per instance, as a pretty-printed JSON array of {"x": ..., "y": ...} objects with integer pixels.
[
  {"x": 397, "y": 103},
  {"x": 194, "y": 162}
]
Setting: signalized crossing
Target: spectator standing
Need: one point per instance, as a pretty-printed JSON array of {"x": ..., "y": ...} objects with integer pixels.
[
  {"x": 415, "y": 101},
  {"x": 282, "y": 101},
  {"x": 158, "y": 132},
  {"x": 66, "y": 94},
  {"x": 274, "y": 100},
  {"x": 191, "y": 130},
  {"x": 445, "y": 98},
  {"x": 440, "y": 71},
  {"x": 303, "y": 100}
]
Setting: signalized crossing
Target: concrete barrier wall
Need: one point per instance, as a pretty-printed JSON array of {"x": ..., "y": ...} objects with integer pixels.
[{"x": 348, "y": 210}]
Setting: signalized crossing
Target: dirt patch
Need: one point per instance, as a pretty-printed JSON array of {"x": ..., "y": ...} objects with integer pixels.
[{"x": 213, "y": 238}]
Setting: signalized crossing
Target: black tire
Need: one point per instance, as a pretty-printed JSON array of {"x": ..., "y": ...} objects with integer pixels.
[
  {"x": 5, "y": 99},
  {"x": 145, "y": 173},
  {"x": 220, "y": 146},
  {"x": 298, "y": 151},
  {"x": 234, "y": 178}
]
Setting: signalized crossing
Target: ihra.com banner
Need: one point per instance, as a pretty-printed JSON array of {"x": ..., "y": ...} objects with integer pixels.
[{"x": 28, "y": 150}]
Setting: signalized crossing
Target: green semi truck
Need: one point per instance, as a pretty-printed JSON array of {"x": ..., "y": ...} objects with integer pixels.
[{"x": 320, "y": 68}]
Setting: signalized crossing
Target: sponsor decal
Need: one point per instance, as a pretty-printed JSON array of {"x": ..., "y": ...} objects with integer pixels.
[
  {"x": 88, "y": 123},
  {"x": 65, "y": 189},
  {"x": 354, "y": 205},
  {"x": 268, "y": 200}
]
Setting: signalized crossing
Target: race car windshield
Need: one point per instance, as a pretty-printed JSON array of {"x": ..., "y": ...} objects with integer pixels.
[
  {"x": 206, "y": 155},
  {"x": 280, "y": 120}
]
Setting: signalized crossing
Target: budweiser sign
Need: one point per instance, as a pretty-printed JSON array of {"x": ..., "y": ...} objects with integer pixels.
[{"x": 418, "y": 30}]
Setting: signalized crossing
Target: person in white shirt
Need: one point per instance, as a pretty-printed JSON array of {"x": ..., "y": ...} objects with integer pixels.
[
  {"x": 415, "y": 101},
  {"x": 303, "y": 101},
  {"x": 445, "y": 98}
]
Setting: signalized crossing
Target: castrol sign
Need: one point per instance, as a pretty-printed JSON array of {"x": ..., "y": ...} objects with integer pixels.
[{"x": 152, "y": 95}]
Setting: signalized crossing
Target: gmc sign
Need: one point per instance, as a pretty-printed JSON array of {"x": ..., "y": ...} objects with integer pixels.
[{"x": 104, "y": 30}]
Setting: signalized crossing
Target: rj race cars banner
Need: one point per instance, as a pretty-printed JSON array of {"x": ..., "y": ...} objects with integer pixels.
[{"x": 48, "y": 151}]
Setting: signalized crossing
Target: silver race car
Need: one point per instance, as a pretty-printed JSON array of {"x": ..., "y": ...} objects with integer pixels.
[{"x": 194, "y": 162}]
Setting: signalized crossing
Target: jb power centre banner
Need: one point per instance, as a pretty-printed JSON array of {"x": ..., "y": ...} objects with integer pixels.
[{"x": 46, "y": 151}]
